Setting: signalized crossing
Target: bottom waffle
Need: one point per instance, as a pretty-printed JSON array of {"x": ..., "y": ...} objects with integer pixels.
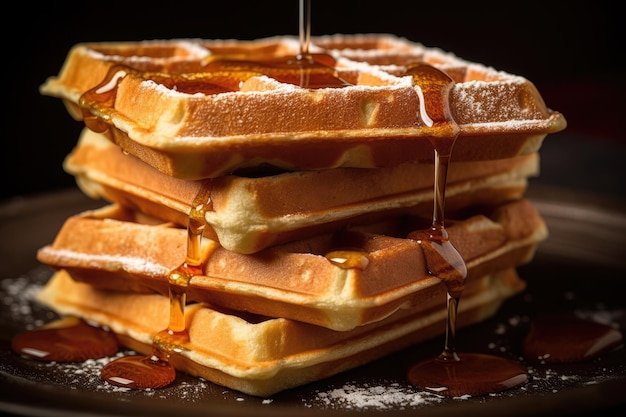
[{"x": 262, "y": 356}]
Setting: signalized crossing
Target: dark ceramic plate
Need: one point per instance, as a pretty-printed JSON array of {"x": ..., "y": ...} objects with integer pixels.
[{"x": 578, "y": 269}]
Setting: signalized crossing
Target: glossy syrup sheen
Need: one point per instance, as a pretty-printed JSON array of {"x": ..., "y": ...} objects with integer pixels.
[
  {"x": 566, "y": 338},
  {"x": 67, "y": 340},
  {"x": 449, "y": 373}
]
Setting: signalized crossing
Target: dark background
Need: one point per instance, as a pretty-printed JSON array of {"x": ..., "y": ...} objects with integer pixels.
[{"x": 570, "y": 50}]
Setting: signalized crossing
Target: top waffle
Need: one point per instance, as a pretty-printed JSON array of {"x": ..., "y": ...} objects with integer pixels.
[{"x": 198, "y": 109}]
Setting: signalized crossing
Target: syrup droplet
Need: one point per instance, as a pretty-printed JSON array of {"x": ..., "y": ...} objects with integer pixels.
[
  {"x": 349, "y": 259},
  {"x": 139, "y": 372},
  {"x": 66, "y": 340},
  {"x": 97, "y": 103},
  {"x": 564, "y": 338}
]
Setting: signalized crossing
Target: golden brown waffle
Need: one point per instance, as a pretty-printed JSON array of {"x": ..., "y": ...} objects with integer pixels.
[
  {"x": 250, "y": 214},
  {"x": 243, "y": 352},
  {"x": 161, "y": 101},
  {"x": 314, "y": 175},
  {"x": 338, "y": 280}
]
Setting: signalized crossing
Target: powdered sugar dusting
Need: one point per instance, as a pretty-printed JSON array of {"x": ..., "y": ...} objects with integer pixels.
[
  {"x": 355, "y": 396},
  {"x": 118, "y": 261},
  {"x": 18, "y": 298}
]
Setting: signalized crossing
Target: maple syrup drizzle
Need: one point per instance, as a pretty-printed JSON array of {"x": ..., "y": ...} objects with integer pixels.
[
  {"x": 305, "y": 69},
  {"x": 97, "y": 103},
  {"x": 450, "y": 373},
  {"x": 155, "y": 370},
  {"x": 219, "y": 74}
]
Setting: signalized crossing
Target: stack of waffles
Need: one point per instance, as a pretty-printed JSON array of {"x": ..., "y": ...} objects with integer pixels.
[{"x": 310, "y": 183}]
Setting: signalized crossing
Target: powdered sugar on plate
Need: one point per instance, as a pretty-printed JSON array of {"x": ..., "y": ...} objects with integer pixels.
[
  {"x": 385, "y": 396},
  {"x": 362, "y": 390}
]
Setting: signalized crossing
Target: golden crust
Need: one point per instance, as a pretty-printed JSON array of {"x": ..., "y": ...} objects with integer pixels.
[
  {"x": 248, "y": 355},
  {"x": 250, "y": 214},
  {"x": 372, "y": 122},
  {"x": 299, "y": 280}
]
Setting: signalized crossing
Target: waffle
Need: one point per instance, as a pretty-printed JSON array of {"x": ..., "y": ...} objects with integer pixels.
[
  {"x": 114, "y": 248},
  {"x": 250, "y": 214},
  {"x": 179, "y": 105},
  {"x": 243, "y": 352}
]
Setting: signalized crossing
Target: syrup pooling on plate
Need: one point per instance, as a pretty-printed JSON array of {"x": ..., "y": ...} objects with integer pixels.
[
  {"x": 450, "y": 374},
  {"x": 566, "y": 338},
  {"x": 156, "y": 371},
  {"x": 69, "y": 339}
]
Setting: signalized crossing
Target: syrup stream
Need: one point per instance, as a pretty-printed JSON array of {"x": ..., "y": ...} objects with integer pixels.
[
  {"x": 449, "y": 373},
  {"x": 443, "y": 260},
  {"x": 304, "y": 28}
]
